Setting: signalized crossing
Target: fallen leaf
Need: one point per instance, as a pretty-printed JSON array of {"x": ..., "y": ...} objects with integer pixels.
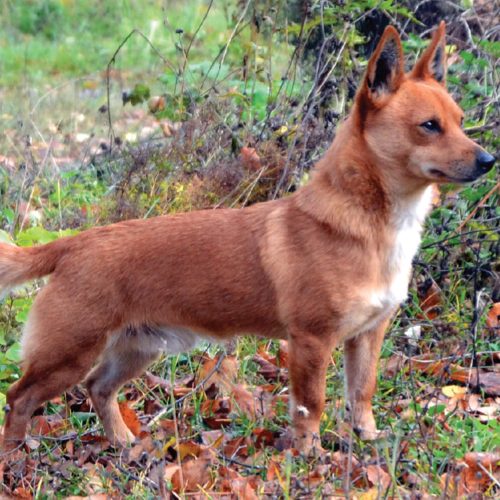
[
  {"x": 392, "y": 365},
  {"x": 156, "y": 103},
  {"x": 378, "y": 477},
  {"x": 194, "y": 473},
  {"x": 371, "y": 494},
  {"x": 250, "y": 159},
  {"x": 489, "y": 381},
  {"x": 267, "y": 369},
  {"x": 430, "y": 302},
  {"x": 130, "y": 418},
  {"x": 493, "y": 318},
  {"x": 223, "y": 377},
  {"x": 454, "y": 391},
  {"x": 153, "y": 381},
  {"x": 245, "y": 488},
  {"x": 244, "y": 399},
  {"x": 474, "y": 476},
  {"x": 46, "y": 425},
  {"x": 237, "y": 447},
  {"x": 188, "y": 449},
  {"x": 264, "y": 437},
  {"x": 283, "y": 354},
  {"x": 22, "y": 493},
  {"x": 213, "y": 438}
]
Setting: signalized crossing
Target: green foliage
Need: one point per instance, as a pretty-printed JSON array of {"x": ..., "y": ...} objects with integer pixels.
[{"x": 253, "y": 78}]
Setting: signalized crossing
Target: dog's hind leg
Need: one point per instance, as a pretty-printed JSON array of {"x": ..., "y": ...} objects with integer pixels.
[
  {"x": 124, "y": 358},
  {"x": 59, "y": 350}
]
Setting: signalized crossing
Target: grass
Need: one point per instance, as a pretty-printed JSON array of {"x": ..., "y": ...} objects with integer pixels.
[{"x": 60, "y": 177}]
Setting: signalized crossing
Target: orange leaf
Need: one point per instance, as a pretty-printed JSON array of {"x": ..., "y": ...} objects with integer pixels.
[
  {"x": 283, "y": 354},
  {"x": 244, "y": 488},
  {"x": 22, "y": 493},
  {"x": 188, "y": 448},
  {"x": 44, "y": 425},
  {"x": 430, "y": 302},
  {"x": 378, "y": 476},
  {"x": 264, "y": 437},
  {"x": 236, "y": 447},
  {"x": 244, "y": 399},
  {"x": 130, "y": 418},
  {"x": 250, "y": 158},
  {"x": 489, "y": 461},
  {"x": 267, "y": 369},
  {"x": 195, "y": 473},
  {"x": 493, "y": 318},
  {"x": 224, "y": 377},
  {"x": 216, "y": 407}
]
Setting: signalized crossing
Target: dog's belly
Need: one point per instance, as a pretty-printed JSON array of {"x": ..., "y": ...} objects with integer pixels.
[{"x": 157, "y": 338}]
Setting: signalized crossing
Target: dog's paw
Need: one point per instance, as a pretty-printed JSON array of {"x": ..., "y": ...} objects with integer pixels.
[
  {"x": 308, "y": 444},
  {"x": 371, "y": 435}
]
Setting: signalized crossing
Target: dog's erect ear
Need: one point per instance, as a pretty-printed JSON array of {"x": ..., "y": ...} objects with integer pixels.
[
  {"x": 385, "y": 68},
  {"x": 432, "y": 63}
]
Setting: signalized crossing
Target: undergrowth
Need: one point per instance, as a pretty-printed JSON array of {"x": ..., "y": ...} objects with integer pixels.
[{"x": 215, "y": 104}]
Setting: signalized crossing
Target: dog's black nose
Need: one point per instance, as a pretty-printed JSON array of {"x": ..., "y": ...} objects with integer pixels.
[{"x": 484, "y": 161}]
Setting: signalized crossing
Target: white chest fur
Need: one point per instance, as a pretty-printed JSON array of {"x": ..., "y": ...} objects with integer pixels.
[
  {"x": 376, "y": 304},
  {"x": 407, "y": 222}
]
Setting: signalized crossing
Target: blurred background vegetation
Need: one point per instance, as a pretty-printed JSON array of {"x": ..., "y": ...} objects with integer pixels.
[{"x": 126, "y": 108}]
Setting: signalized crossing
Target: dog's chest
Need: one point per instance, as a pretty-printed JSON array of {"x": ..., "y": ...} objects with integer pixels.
[{"x": 378, "y": 301}]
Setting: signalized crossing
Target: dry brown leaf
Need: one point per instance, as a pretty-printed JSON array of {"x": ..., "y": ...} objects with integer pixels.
[
  {"x": 273, "y": 470},
  {"x": 237, "y": 447},
  {"x": 188, "y": 449},
  {"x": 244, "y": 399},
  {"x": 46, "y": 425},
  {"x": 213, "y": 438},
  {"x": 156, "y": 103},
  {"x": 430, "y": 302},
  {"x": 153, "y": 381},
  {"x": 392, "y": 365},
  {"x": 283, "y": 354},
  {"x": 473, "y": 475},
  {"x": 489, "y": 381},
  {"x": 267, "y": 369},
  {"x": 130, "y": 418},
  {"x": 224, "y": 377},
  {"x": 245, "y": 488},
  {"x": 263, "y": 437},
  {"x": 22, "y": 493},
  {"x": 250, "y": 159},
  {"x": 489, "y": 461},
  {"x": 195, "y": 473},
  {"x": 493, "y": 318},
  {"x": 378, "y": 477}
]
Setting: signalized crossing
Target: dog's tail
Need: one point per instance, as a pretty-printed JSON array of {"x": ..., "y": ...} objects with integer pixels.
[{"x": 19, "y": 264}]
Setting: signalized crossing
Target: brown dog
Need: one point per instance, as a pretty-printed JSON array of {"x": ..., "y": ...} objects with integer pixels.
[{"x": 329, "y": 264}]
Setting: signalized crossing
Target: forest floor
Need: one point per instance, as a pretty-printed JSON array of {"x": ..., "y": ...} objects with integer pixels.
[{"x": 225, "y": 110}]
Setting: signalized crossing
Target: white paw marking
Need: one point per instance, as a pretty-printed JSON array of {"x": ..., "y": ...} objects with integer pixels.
[{"x": 302, "y": 411}]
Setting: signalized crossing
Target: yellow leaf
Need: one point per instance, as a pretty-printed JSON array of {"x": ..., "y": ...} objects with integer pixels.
[
  {"x": 371, "y": 494},
  {"x": 452, "y": 391}
]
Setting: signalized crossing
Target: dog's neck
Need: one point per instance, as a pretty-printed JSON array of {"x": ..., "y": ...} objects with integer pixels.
[{"x": 351, "y": 193}]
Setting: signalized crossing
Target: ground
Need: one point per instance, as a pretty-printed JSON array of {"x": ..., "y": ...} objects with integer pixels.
[{"x": 227, "y": 104}]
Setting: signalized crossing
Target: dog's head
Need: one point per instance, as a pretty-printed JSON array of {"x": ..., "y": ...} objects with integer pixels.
[{"x": 410, "y": 122}]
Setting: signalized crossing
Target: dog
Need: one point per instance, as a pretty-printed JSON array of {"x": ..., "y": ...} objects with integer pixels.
[{"x": 326, "y": 265}]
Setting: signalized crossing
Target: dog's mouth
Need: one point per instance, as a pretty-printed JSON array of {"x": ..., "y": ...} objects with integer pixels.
[{"x": 442, "y": 177}]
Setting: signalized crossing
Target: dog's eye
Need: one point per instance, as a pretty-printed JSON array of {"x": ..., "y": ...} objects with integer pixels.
[{"x": 431, "y": 126}]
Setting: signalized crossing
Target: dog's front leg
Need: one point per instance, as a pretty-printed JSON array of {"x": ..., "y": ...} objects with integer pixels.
[
  {"x": 361, "y": 358},
  {"x": 309, "y": 356}
]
